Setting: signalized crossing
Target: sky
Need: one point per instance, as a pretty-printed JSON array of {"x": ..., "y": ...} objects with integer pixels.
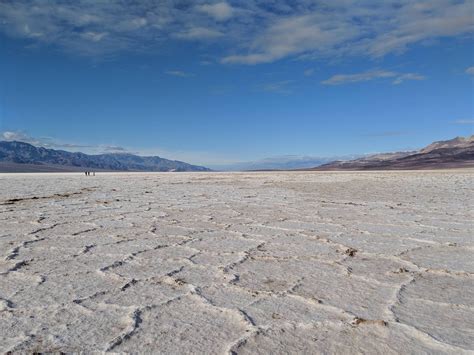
[{"x": 221, "y": 82}]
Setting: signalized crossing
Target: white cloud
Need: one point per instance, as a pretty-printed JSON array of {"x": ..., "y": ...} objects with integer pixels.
[
  {"x": 294, "y": 35},
  {"x": 355, "y": 78},
  {"x": 220, "y": 11},
  {"x": 94, "y": 36},
  {"x": 464, "y": 122},
  {"x": 280, "y": 87},
  {"x": 29, "y": 33},
  {"x": 179, "y": 73},
  {"x": 251, "y": 31},
  {"x": 132, "y": 24},
  {"x": 350, "y": 27},
  {"x": 45, "y": 142},
  {"x": 470, "y": 71},
  {"x": 408, "y": 76},
  {"x": 13, "y": 136},
  {"x": 308, "y": 72},
  {"x": 385, "y": 134},
  {"x": 398, "y": 78},
  {"x": 198, "y": 33},
  {"x": 113, "y": 149}
]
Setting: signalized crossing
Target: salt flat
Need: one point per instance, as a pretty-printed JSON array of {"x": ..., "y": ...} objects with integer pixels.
[{"x": 378, "y": 262}]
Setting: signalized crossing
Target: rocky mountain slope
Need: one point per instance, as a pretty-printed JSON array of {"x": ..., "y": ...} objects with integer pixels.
[
  {"x": 453, "y": 153},
  {"x": 24, "y": 157}
]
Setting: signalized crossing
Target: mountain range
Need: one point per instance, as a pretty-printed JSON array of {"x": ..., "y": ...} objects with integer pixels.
[
  {"x": 453, "y": 153},
  {"x": 23, "y": 157}
]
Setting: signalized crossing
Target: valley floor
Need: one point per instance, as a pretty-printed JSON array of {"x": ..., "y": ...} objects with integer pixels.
[{"x": 215, "y": 263}]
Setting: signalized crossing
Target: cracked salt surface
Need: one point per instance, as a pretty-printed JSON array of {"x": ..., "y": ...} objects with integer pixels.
[{"x": 238, "y": 263}]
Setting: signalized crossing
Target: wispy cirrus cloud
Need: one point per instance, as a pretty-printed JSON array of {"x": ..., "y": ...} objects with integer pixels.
[
  {"x": 198, "y": 33},
  {"x": 114, "y": 149},
  {"x": 179, "y": 73},
  {"x": 309, "y": 72},
  {"x": 45, "y": 142},
  {"x": 464, "y": 122},
  {"x": 52, "y": 143},
  {"x": 386, "y": 134},
  {"x": 220, "y": 11},
  {"x": 397, "y": 78},
  {"x": 365, "y": 28},
  {"x": 279, "y": 87},
  {"x": 470, "y": 71},
  {"x": 339, "y": 79},
  {"x": 249, "y": 32},
  {"x": 293, "y": 35},
  {"x": 408, "y": 76}
]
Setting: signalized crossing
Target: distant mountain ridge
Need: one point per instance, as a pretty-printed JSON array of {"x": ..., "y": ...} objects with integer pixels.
[
  {"x": 19, "y": 156},
  {"x": 284, "y": 162},
  {"x": 454, "y": 153}
]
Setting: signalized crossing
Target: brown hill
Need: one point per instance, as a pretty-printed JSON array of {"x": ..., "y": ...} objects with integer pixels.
[{"x": 453, "y": 153}]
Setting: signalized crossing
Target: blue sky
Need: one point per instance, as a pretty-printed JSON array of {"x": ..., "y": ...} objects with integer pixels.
[{"x": 214, "y": 82}]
